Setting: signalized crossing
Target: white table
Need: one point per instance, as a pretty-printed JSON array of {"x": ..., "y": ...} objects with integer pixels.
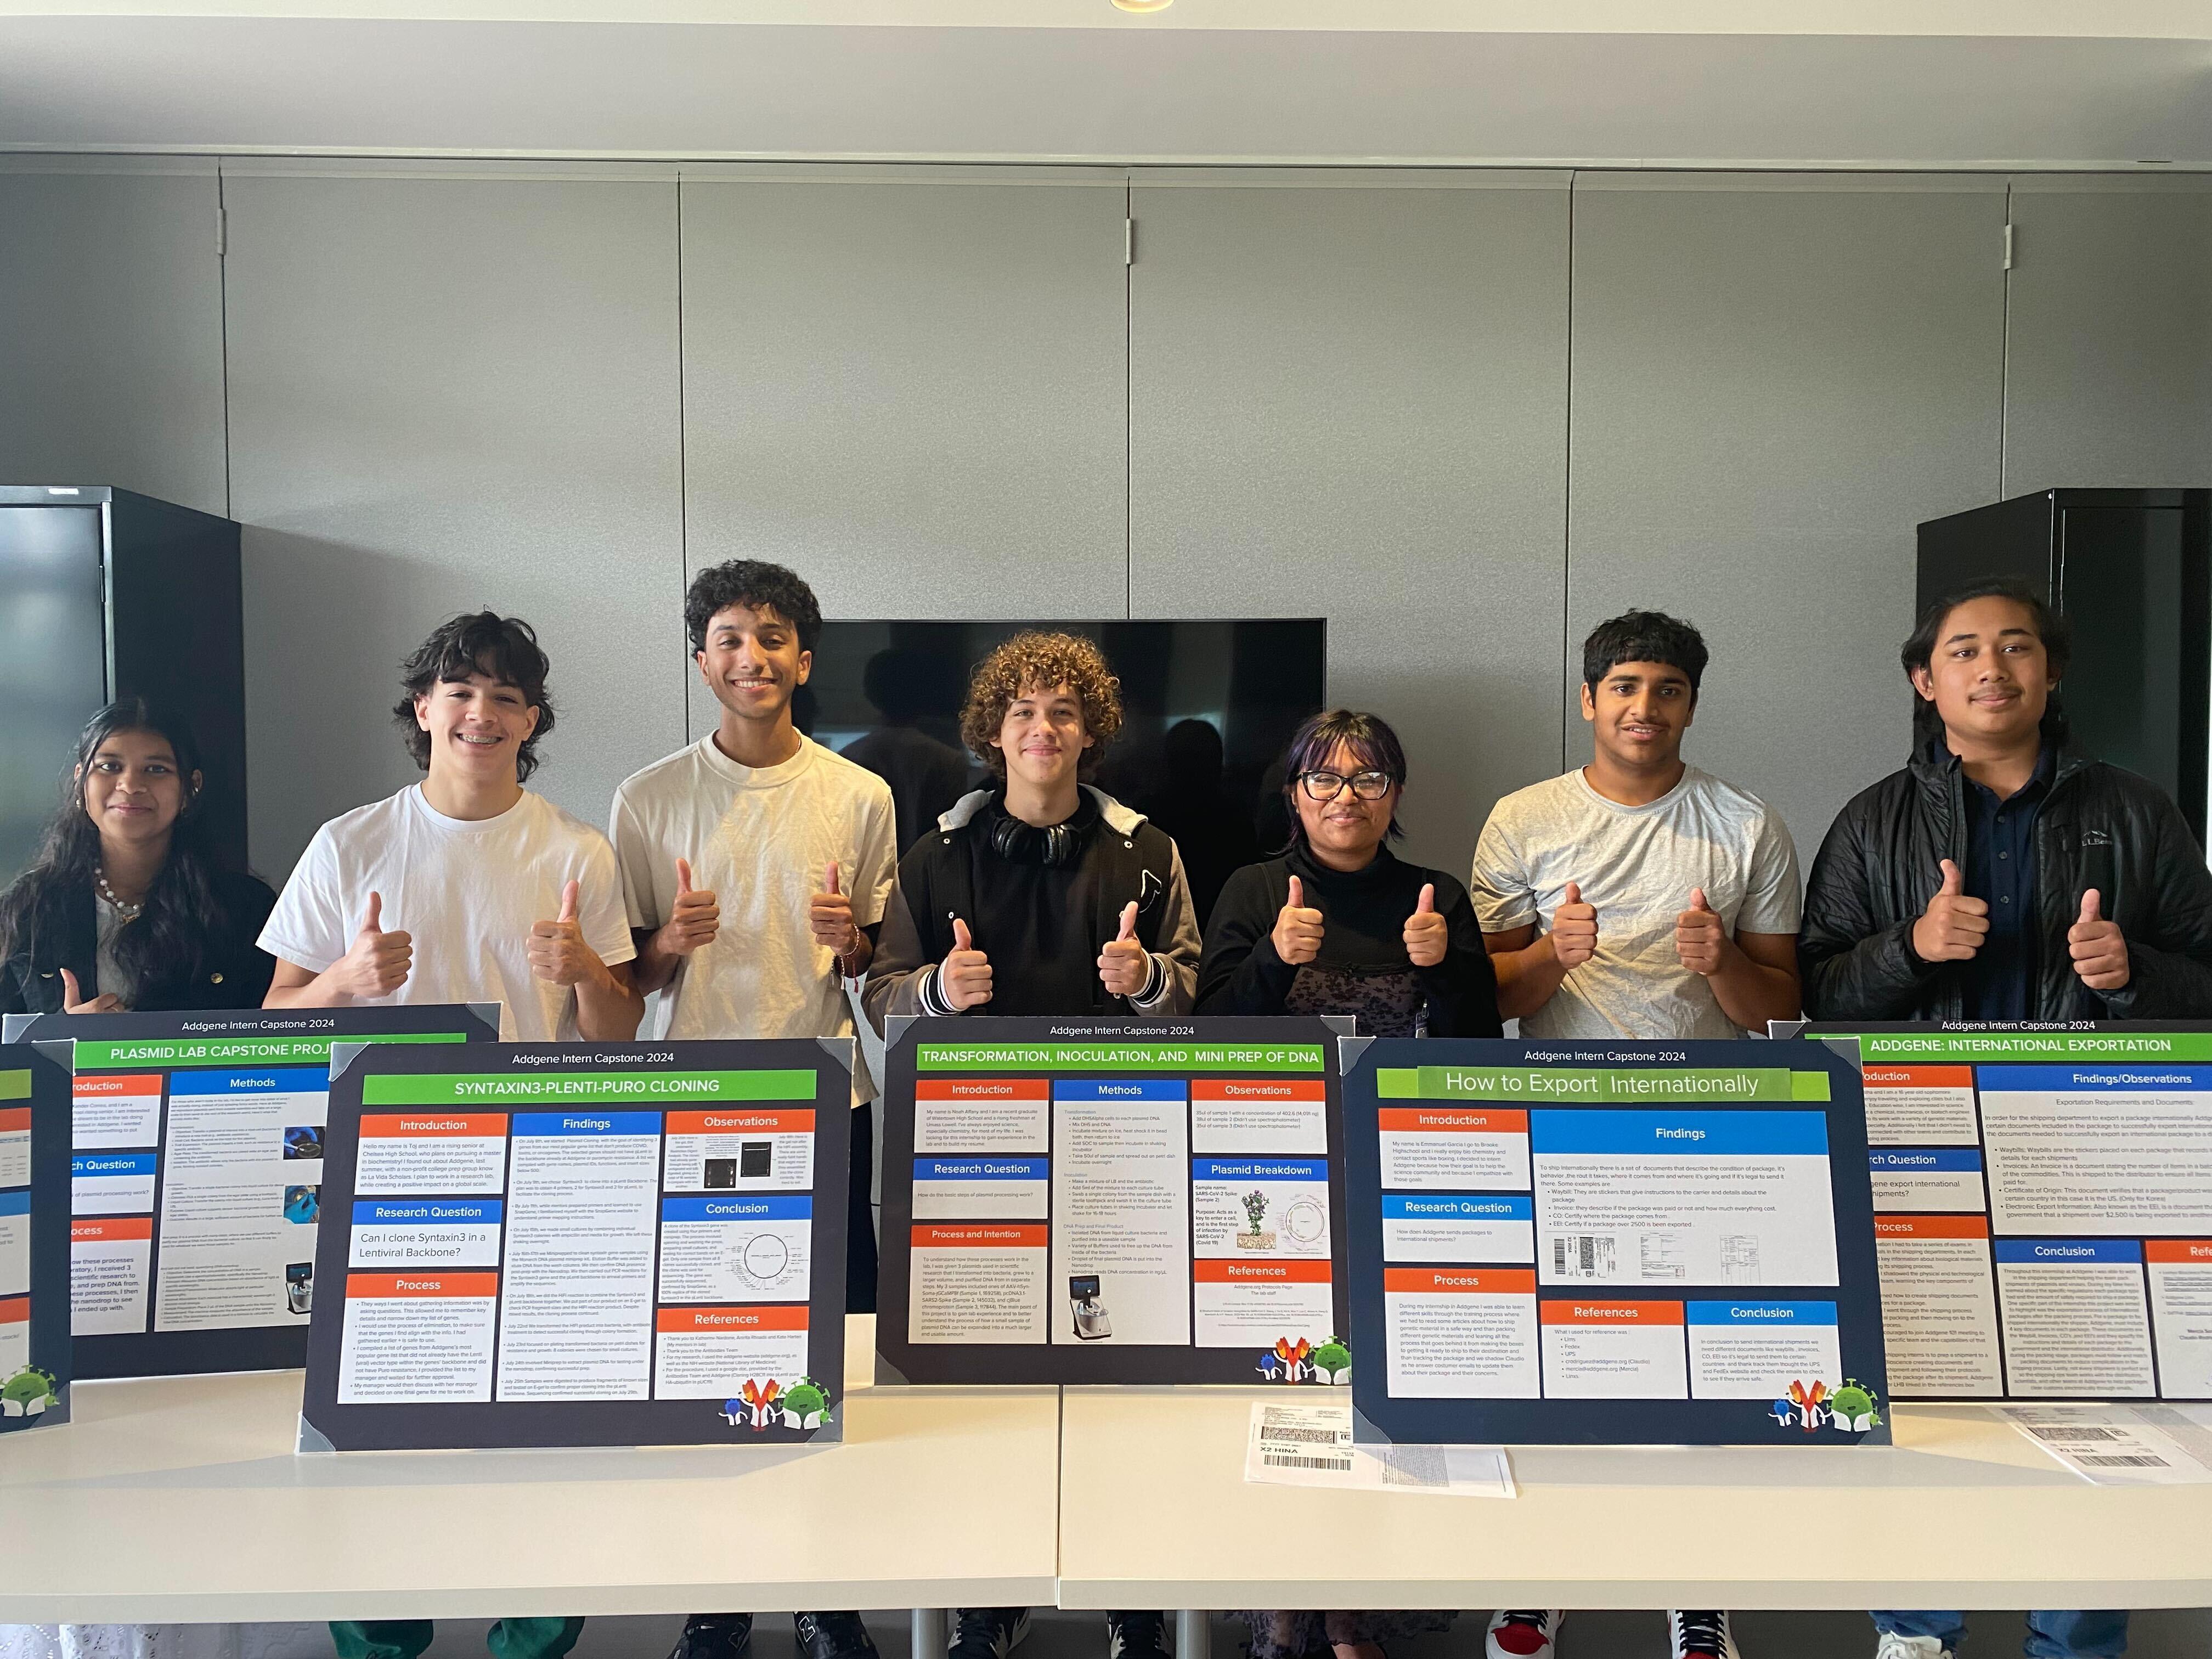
[
  {"x": 1963, "y": 1512},
  {"x": 180, "y": 1499}
]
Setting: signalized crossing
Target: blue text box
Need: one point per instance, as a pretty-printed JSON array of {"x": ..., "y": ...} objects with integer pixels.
[
  {"x": 587, "y": 1123},
  {"x": 1120, "y": 1088},
  {"x": 2060, "y": 1080},
  {"x": 982, "y": 1168},
  {"x": 1761, "y": 1313},
  {"x": 1258, "y": 1169},
  {"x": 283, "y": 1080},
  {"x": 1455, "y": 1207},
  {"x": 744, "y": 1206},
  {"x": 1678, "y": 1135},
  {"x": 1895, "y": 1160},
  {"x": 2068, "y": 1252},
  {"x": 427, "y": 1211}
]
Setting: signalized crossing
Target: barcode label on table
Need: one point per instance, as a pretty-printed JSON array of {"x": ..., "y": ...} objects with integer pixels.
[
  {"x": 2075, "y": 1431},
  {"x": 2121, "y": 1461},
  {"x": 1319, "y": 1436},
  {"x": 1286, "y": 1460}
]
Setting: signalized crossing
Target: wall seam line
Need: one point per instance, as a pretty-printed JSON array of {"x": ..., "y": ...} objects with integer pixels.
[
  {"x": 1567, "y": 489},
  {"x": 1129, "y": 403},
  {"x": 2004, "y": 353},
  {"x": 683, "y": 459},
  {"x": 222, "y": 320}
]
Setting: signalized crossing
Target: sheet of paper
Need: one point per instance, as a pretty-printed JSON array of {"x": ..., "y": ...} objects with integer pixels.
[
  {"x": 2123, "y": 1445},
  {"x": 1301, "y": 1445}
]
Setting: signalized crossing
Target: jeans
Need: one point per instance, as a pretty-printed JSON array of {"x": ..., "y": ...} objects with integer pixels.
[
  {"x": 2050, "y": 1635},
  {"x": 406, "y": 1638}
]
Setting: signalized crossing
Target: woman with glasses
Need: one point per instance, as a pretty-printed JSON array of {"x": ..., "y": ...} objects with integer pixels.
[{"x": 1337, "y": 924}]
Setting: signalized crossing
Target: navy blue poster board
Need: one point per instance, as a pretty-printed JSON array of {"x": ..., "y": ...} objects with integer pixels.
[
  {"x": 244, "y": 1090},
  {"x": 1110, "y": 1200},
  {"x": 1610, "y": 1244},
  {"x": 582, "y": 1244},
  {"x": 34, "y": 1223},
  {"x": 2033, "y": 1184}
]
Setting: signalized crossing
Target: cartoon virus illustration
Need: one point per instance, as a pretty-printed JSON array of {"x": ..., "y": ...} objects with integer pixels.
[
  {"x": 806, "y": 1405},
  {"x": 27, "y": 1393},
  {"x": 1332, "y": 1362},
  {"x": 1852, "y": 1408}
]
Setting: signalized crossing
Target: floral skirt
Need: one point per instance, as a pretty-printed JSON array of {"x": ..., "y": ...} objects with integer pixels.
[{"x": 1310, "y": 1635}]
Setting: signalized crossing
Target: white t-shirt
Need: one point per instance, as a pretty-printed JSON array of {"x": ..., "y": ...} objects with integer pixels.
[
  {"x": 468, "y": 892},
  {"x": 1636, "y": 864},
  {"x": 760, "y": 840}
]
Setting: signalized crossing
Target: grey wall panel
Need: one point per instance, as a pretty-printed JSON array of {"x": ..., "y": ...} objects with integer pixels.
[
  {"x": 1775, "y": 380},
  {"x": 909, "y": 389},
  {"x": 1350, "y": 401},
  {"x": 451, "y": 390},
  {"x": 111, "y": 327},
  {"x": 2109, "y": 350}
]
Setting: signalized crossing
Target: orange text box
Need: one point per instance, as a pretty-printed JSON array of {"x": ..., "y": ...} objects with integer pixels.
[
  {"x": 732, "y": 1319},
  {"x": 15, "y": 1310},
  {"x": 478, "y": 1125},
  {"x": 1446, "y": 1120},
  {"x": 14, "y": 1120},
  {"x": 1304, "y": 1089},
  {"x": 769, "y": 1120},
  {"x": 100, "y": 1086},
  {"x": 1260, "y": 1272},
  {"x": 106, "y": 1229},
  {"x": 2179, "y": 1250},
  {"x": 983, "y": 1088},
  {"x": 1931, "y": 1226},
  {"x": 1609, "y": 1313},
  {"x": 1460, "y": 1281},
  {"x": 981, "y": 1236}
]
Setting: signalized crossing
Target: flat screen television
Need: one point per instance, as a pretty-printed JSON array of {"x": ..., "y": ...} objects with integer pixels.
[{"x": 1208, "y": 709}]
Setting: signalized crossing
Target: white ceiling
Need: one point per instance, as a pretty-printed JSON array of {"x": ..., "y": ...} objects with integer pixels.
[{"x": 2010, "y": 85}]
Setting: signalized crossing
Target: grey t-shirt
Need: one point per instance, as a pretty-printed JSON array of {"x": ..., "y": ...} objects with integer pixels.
[{"x": 1636, "y": 864}]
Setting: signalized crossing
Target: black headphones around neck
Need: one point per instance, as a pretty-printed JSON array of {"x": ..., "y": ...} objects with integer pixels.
[{"x": 1016, "y": 843}]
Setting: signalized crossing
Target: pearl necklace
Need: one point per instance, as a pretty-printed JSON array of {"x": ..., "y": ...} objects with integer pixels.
[{"x": 127, "y": 912}]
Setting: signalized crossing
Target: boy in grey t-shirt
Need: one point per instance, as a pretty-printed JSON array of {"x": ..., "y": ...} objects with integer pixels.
[{"x": 1637, "y": 897}]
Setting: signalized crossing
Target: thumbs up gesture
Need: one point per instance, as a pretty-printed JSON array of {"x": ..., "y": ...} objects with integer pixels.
[
  {"x": 74, "y": 1001},
  {"x": 1124, "y": 965},
  {"x": 1574, "y": 928},
  {"x": 1426, "y": 935},
  {"x": 1297, "y": 931},
  {"x": 830, "y": 914},
  {"x": 693, "y": 919},
  {"x": 558, "y": 954},
  {"x": 964, "y": 978},
  {"x": 1955, "y": 925},
  {"x": 376, "y": 963},
  {"x": 1701, "y": 939},
  {"x": 2100, "y": 955}
]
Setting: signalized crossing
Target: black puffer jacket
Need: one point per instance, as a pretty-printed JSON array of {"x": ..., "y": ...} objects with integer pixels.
[{"x": 2100, "y": 827}]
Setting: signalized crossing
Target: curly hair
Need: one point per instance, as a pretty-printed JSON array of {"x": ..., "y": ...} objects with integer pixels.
[
  {"x": 757, "y": 585},
  {"x": 477, "y": 642},
  {"x": 1042, "y": 662}
]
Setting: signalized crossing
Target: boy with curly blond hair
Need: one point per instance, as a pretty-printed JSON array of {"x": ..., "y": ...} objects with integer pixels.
[{"x": 1041, "y": 894}]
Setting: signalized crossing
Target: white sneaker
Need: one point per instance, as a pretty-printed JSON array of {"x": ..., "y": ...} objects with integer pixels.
[
  {"x": 1894, "y": 1646},
  {"x": 1701, "y": 1636},
  {"x": 1525, "y": 1634}
]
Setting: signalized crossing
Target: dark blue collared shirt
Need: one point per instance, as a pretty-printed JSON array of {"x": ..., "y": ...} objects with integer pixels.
[{"x": 1999, "y": 983}]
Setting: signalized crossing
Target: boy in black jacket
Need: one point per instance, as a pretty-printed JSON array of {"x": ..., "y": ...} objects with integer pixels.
[
  {"x": 1039, "y": 895},
  {"x": 1996, "y": 877}
]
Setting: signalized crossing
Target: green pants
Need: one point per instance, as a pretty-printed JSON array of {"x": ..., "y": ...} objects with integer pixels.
[{"x": 406, "y": 1638}]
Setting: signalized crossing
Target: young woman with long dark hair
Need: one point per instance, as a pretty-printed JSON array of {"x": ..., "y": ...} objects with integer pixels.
[{"x": 128, "y": 903}]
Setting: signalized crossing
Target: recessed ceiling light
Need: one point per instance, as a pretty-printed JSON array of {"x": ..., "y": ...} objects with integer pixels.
[{"x": 1143, "y": 5}]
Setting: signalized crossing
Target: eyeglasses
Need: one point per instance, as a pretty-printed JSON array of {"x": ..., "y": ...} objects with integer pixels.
[{"x": 1328, "y": 785}]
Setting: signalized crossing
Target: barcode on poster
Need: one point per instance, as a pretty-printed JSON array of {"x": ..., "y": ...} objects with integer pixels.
[{"x": 1582, "y": 1256}]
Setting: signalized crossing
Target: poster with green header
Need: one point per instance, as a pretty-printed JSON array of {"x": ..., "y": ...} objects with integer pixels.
[
  {"x": 1112, "y": 1201},
  {"x": 2043, "y": 1207},
  {"x": 195, "y": 1175},
  {"x": 582, "y": 1244}
]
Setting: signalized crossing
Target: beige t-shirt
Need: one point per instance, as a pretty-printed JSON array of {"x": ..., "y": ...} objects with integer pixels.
[
  {"x": 760, "y": 840},
  {"x": 1636, "y": 864}
]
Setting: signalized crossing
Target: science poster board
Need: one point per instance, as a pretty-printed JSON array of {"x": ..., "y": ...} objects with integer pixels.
[
  {"x": 1112, "y": 1201},
  {"x": 195, "y": 1175},
  {"x": 34, "y": 1218},
  {"x": 2043, "y": 1207},
  {"x": 582, "y": 1244},
  {"x": 1610, "y": 1243}
]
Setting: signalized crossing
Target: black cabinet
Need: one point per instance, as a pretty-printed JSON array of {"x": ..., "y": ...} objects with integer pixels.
[
  {"x": 2132, "y": 570},
  {"x": 103, "y": 593}
]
